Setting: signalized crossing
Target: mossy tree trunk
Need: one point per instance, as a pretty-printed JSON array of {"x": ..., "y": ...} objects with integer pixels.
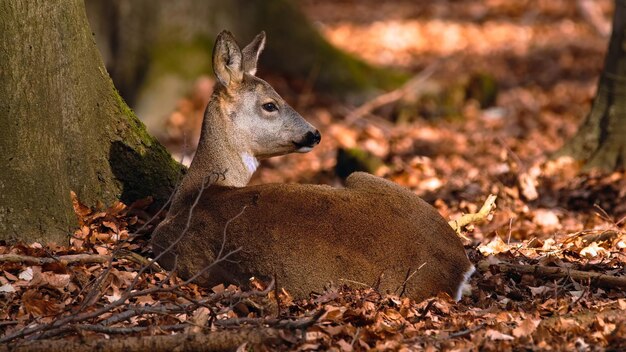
[
  {"x": 63, "y": 125},
  {"x": 601, "y": 140}
]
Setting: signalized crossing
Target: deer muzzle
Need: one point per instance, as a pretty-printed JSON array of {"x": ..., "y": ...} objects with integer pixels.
[{"x": 310, "y": 140}]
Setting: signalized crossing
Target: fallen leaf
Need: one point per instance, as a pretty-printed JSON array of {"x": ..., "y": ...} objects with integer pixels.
[
  {"x": 27, "y": 274},
  {"x": 59, "y": 281},
  {"x": 535, "y": 291},
  {"x": 526, "y": 327},
  {"x": 81, "y": 210},
  {"x": 496, "y": 246},
  {"x": 498, "y": 336},
  {"x": 593, "y": 250},
  {"x": 37, "y": 305},
  {"x": 7, "y": 288},
  {"x": 528, "y": 183},
  {"x": 547, "y": 219},
  {"x": 110, "y": 224},
  {"x": 345, "y": 346}
]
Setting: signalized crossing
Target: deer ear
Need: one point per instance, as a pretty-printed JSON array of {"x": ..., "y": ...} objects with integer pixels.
[
  {"x": 251, "y": 53},
  {"x": 227, "y": 59}
]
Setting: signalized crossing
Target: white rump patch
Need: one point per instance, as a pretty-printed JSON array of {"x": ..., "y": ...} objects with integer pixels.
[
  {"x": 251, "y": 162},
  {"x": 464, "y": 286}
]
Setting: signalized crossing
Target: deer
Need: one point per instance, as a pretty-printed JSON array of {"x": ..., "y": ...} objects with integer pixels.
[{"x": 306, "y": 237}]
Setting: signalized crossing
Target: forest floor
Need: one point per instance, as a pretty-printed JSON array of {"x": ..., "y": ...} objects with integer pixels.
[{"x": 550, "y": 256}]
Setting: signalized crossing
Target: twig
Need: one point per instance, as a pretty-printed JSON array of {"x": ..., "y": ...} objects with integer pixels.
[
  {"x": 276, "y": 296},
  {"x": 482, "y": 214},
  {"x": 62, "y": 259},
  {"x": 298, "y": 324},
  {"x": 597, "y": 279},
  {"x": 94, "y": 294},
  {"x": 465, "y": 332},
  {"x": 355, "y": 337},
  {"x": 394, "y": 95},
  {"x": 407, "y": 278},
  {"x": 427, "y": 309},
  {"x": 59, "y": 325},
  {"x": 122, "y": 330},
  {"x": 137, "y": 259},
  {"x": 207, "y": 341}
]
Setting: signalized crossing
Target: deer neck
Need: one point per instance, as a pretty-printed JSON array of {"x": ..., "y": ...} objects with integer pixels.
[{"x": 220, "y": 159}]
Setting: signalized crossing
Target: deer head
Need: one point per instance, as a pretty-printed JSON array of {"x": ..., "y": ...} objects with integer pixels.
[
  {"x": 263, "y": 122},
  {"x": 245, "y": 120}
]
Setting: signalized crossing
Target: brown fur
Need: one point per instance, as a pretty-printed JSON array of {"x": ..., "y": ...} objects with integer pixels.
[
  {"x": 306, "y": 235},
  {"x": 310, "y": 235}
]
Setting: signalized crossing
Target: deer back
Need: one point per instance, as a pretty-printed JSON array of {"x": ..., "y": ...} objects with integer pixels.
[{"x": 373, "y": 232}]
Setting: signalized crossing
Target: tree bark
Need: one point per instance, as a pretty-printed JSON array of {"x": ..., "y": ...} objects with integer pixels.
[
  {"x": 63, "y": 125},
  {"x": 601, "y": 140}
]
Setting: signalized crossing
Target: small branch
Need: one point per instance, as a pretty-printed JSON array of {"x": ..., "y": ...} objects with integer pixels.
[
  {"x": 138, "y": 259},
  {"x": 63, "y": 259},
  {"x": 408, "y": 277},
  {"x": 394, "y": 95},
  {"x": 597, "y": 279},
  {"x": 465, "y": 332},
  {"x": 482, "y": 214},
  {"x": 298, "y": 324},
  {"x": 208, "y": 341},
  {"x": 594, "y": 236}
]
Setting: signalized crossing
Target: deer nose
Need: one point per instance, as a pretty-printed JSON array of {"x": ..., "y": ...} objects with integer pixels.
[{"x": 312, "y": 138}]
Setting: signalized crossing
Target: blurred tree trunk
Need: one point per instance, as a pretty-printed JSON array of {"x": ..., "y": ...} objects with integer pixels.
[
  {"x": 157, "y": 47},
  {"x": 601, "y": 140},
  {"x": 63, "y": 125}
]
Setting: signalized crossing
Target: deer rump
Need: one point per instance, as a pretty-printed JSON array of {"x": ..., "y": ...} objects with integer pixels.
[{"x": 373, "y": 232}]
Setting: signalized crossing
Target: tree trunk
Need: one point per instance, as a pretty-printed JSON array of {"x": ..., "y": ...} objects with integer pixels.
[
  {"x": 601, "y": 140},
  {"x": 63, "y": 125}
]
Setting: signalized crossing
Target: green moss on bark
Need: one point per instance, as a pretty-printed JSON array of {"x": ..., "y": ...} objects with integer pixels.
[
  {"x": 64, "y": 127},
  {"x": 141, "y": 165}
]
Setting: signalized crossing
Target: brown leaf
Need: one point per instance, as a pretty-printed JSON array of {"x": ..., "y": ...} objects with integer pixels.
[
  {"x": 497, "y": 335},
  {"x": 547, "y": 218},
  {"x": 142, "y": 203},
  {"x": 345, "y": 346},
  {"x": 496, "y": 246},
  {"x": 59, "y": 281},
  {"x": 81, "y": 210},
  {"x": 38, "y": 305},
  {"x": 116, "y": 209},
  {"x": 528, "y": 183},
  {"x": 526, "y": 327},
  {"x": 112, "y": 225}
]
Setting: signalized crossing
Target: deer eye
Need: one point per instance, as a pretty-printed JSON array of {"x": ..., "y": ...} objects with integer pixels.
[{"x": 270, "y": 107}]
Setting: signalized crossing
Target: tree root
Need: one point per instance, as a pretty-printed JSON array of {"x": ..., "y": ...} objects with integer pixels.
[{"x": 596, "y": 279}]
